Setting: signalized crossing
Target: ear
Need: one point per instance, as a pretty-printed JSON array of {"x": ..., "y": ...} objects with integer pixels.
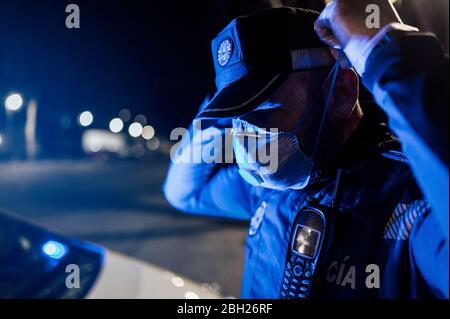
[{"x": 345, "y": 94}]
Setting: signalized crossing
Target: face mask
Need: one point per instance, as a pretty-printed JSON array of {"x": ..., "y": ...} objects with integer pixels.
[
  {"x": 270, "y": 159},
  {"x": 274, "y": 159}
]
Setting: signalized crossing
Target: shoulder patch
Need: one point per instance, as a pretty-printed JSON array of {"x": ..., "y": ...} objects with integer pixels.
[
  {"x": 402, "y": 219},
  {"x": 257, "y": 219}
]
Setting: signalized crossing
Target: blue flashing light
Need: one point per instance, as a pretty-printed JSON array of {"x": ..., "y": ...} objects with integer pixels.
[{"x": 54, "y": 249}]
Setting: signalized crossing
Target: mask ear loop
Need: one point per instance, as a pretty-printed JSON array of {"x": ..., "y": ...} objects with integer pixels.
[
  {"x": 314, "y": 102},
  {"x": 335, "y": 73}
]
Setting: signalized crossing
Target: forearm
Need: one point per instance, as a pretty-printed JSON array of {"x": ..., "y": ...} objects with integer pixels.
[
  {"x": 202, "y": 179},
  {"x": 409, "y": 80},
  {"x": 188, "y": 173},
  {"x": 411, "y": 68}
]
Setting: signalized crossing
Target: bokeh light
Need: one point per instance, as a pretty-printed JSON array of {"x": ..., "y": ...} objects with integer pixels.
[
  {"x": 153, "y": 144},
  {"x": 141, "y": 119},
  {"x": 14, "y": 102},
  {"x": 116, "y": 125},
  {"x": 125, "y": 115},
  {"x": 85, "y": 118},
  {"x": 148, "y": 132},
  {"x": 135, "y": 129},
  {"x": 54, "y": 249}
]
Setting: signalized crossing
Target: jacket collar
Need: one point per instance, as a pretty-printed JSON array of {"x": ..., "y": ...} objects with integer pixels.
[{"x": 372, "y": 137}]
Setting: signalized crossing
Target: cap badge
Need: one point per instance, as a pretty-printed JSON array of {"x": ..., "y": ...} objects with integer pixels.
[{"x": 224, "y": 52}]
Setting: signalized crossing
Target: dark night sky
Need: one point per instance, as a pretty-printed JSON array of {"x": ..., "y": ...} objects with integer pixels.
[{"x": 152, "y": 59}]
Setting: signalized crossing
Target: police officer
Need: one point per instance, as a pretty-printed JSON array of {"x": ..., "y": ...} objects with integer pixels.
[{"x": 339, "y": 214}]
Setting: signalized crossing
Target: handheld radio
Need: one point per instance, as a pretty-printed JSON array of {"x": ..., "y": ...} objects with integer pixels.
[
  {"x": 312, "y": 226},
  {"x": 304, "y": 249}
]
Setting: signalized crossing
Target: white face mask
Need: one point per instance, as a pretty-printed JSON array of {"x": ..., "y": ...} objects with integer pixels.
[
  {"x": 286, "y": 166},
  {"x": 270, "y": 159}
]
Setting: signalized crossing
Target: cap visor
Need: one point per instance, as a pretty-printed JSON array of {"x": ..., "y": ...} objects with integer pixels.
[{"x": 242, "y": 96}]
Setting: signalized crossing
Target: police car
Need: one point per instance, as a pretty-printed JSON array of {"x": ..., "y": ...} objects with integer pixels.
[{"x": 36, "y": 263}]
